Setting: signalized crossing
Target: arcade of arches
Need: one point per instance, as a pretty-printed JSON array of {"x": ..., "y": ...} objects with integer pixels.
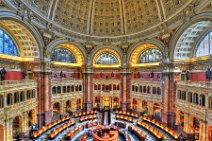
[{"x": 108, "y": 55}]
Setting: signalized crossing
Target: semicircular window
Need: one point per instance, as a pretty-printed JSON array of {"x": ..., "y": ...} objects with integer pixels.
[
  {"x": 205, "y": 46},
  {"x": 107, "y": 59},
  {"x": 63, "y": 55},
  {"x": 150, "y": 55},
  {"x": 7, "y": 45}
]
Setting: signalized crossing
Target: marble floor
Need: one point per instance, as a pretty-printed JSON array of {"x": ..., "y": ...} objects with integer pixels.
[{"x": 150, "y": 137}]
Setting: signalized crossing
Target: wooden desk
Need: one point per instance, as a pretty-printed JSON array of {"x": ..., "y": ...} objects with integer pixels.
[
  {"x": 163, "y": 127},
  {"x": 71, "y": 134},
  {"x": 84, "y": 137},
  {"x": 45, "y": 128},
  {"x": 91, "y": 123}
]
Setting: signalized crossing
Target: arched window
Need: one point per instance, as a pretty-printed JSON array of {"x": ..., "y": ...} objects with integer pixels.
[
  {"x": 190, "y": 98},
  {"x": 144, "y": 89},
  {"x": 76, "y": 88},
  {"x": 80, "y": 87},
  {"x": 202, "y": 100},
  {"x": 140, "y": 89},
  {"x": 195, "y": 98},
  {"x": 64, "y": 89},
  {"x": 58, "y": 90},
  {"x": 28, "y": 94},
  {"x": 154, "y": 90},
  {"x": 148, "y": 89},
  {"x": 68, "y": 89},
  {"x": 183, "y": 95},
  {"x": 99, "y": 87},
  {"x": 136, "y": 88},
  {"x": 9, "y": 99},
  {"x": 150, "y": 55},
  {"x": 158, "y": 90},
  {"x": 22, "y": 96},
  {"x": 114, "y": 86},
  {"x": 107, "y": 59},
  {"x": 205, "y": 46},
  {"x": 117, "y": 87},
  {"x": 54, "y": 90},
  {"x": 72, "y": 88},
  {"x": 63, "y": 55},
  {"x": 16, "y": 97},
  {"x": 7, "y": 46},
  {"x": 1, "y": 101},
  {"x": 132, "y": 87},
  {"x": 95, "y": 86},
  {"x": 210, "y": 102},
  {"x": 33, "y": 93}
]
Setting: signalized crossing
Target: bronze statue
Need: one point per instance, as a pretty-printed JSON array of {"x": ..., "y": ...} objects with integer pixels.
[
  {"x": 208, "y": 74},
  {"x": 61, "y": 74},
  {"x": 3, "y": 74}
]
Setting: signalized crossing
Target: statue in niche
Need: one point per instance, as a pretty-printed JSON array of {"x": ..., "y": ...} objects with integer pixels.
[
  {"x": 3, "y": 74},
  {"x": 151, "y": 74},
  {"x": 138, "y": 75},
  {"x": 187, "y": 75},
  {"x": 24, "y": 74},
  {"x": 61, "y": 74},
  {"x": 208, "y": 74}
]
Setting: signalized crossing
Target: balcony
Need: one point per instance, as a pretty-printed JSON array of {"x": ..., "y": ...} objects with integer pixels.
[
  {"x": 63, "y": 81},
  {"x": 67, "y": 95},
  {"x": 17, "y": 84},
  {"x": 17, "y": 109},
  {"x": 192, "y": 109},
  {"x": 147, "y": 97},
  {"x": 207, "y": 85}
]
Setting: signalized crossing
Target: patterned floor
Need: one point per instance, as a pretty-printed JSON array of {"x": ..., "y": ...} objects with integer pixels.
[{"x": 150, "y": 137}]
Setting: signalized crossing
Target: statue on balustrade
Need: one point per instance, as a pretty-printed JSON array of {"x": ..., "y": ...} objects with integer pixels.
[
  {"x": 3, "y": 74},
  {"x": 209, "y": 74},
  {"x": 24, "y": 74},
  {"x": 61, "y": 74},
  {"x": 187, "y": 75}
]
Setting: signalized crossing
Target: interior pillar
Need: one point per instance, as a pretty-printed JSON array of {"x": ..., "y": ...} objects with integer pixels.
[
  {"x": 168, "y": 99},
  {"x": 88, "y": 90},
  {"x": 8, "y": 130},
  {"x": 44, "y": 97},
  {"x": 125, "y": 90},
  {"x": 73, "y": 105}
]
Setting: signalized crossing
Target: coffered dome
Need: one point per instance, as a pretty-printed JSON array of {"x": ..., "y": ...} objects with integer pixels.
[{"x": 108, "y": 18}]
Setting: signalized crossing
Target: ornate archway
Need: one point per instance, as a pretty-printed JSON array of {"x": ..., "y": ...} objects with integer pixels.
[{"x": 17, "y": 126}]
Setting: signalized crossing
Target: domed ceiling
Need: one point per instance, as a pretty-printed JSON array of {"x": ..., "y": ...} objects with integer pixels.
[{"x": 108, "y": 18}]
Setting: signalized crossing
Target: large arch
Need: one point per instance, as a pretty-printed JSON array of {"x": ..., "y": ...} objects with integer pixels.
[
  {"x": 13, "y": 23},
  {"x": 98, "y": 50},
  {"x": 156, "y": 43},
  {"x": 17, "y": 126},
  {"x": 184, "y": 30},
  {"x": 77, "y": 49}
]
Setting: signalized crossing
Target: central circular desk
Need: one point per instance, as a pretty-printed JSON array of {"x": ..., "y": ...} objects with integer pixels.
[{"x": 105, "y": 133}]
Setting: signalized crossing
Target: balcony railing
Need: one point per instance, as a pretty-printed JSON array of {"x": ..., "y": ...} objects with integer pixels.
[{"x": 204, "y": 84}]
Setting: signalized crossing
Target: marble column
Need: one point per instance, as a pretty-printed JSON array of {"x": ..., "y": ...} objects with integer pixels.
[
  {"x": 125, "y": 90},
  {"x": 73, "y": 105},
  {"x": 44, "y": 97},
  {"x": 150, "y": 108},
  {"x": 8, "y": 130},
  {"x": 88, "y": 90},
  {"x": 203, "y": 131},
  {"x": 25, "y": 122},
  {"x": 168, "y": 98},
  {"x": 187, "y": 124}
]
